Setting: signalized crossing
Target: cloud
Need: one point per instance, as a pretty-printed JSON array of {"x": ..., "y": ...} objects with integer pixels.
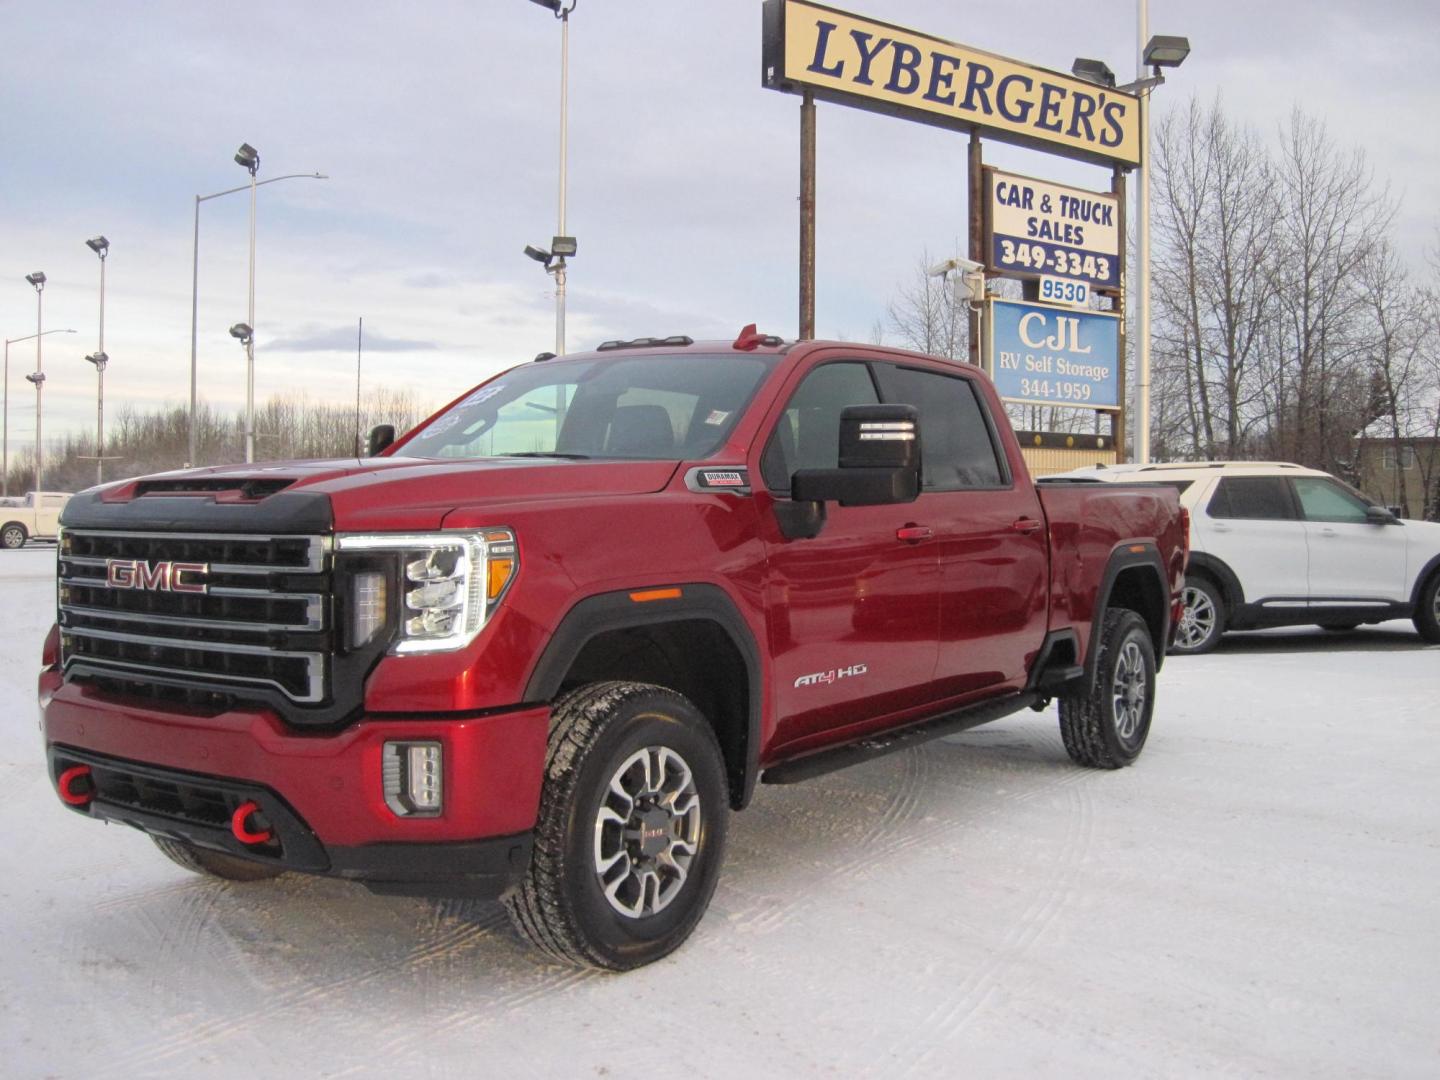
[
  {"x": 343, "y": 339},
  {"x": 430, "y": 279}
]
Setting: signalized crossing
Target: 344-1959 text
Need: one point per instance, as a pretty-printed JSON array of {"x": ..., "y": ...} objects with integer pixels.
[{"x": 1055, "y": 390}]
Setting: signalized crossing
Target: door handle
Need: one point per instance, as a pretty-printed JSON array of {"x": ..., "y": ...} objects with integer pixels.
[
  {"x": 1025, "y": 525},
  {"x": 913, "y": 534}
]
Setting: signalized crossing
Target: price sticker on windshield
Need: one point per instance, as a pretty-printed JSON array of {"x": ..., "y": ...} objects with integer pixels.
[{"x": 1056, "y": 290}]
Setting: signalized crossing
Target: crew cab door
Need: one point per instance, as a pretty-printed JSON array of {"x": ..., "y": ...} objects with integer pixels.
[
  {"x": 852, "y": 612},
  {"x": 988, "y": 528},
  {"x": 1350, "y": 558}
]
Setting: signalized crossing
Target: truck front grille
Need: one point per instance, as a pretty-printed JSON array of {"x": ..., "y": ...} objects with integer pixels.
[{"x": 218, "y": 610}]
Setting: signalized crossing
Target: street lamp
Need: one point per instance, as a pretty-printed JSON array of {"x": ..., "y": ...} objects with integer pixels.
[
  {"x": 1155, "y": 53},
  {"x": 563, "y": 245},
  {"x": 243, "y": 333},
  {"x": 37, "y": 279},
  {"x": 1160, "y": 51},
  {"x": 100, "y": 358},
  {"x": 248, "y": 158},
  {"x": 195, "y": 272},
  {"x": 5, "y": 439}
]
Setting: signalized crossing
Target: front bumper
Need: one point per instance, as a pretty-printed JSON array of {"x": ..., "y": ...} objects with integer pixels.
[{"x": 180, "y": 773}]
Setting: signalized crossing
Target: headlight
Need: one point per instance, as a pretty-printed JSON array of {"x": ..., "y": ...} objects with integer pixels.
[{"x": 449, "y": 584}]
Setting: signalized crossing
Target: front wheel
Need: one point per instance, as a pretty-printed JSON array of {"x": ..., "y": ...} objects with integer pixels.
[
  {"x": 12, "y": 536},
  {"x": 1427, "y": 612},
  {"x": 1106, "y": 728},
  {"x": 631, "y": 831},
  {"x": 1203, "y": 619}
]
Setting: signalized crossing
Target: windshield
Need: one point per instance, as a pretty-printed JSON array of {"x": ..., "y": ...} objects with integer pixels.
[{"x": 652, "y": 406}]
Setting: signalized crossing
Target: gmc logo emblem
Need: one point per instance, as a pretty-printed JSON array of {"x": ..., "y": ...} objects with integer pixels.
[{"x": 155, "y": 577}]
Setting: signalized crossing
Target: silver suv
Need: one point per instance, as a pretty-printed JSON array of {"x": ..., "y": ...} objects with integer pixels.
[{"x": 1273, "y": 544}]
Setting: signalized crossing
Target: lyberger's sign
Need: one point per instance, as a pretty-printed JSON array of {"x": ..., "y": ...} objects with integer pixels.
[{"x": 873, "y": 65}]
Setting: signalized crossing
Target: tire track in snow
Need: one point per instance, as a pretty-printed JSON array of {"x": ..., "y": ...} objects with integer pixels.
[
  {"x": 981, "y": 986},
  {"x": 896, "y": 832},
  {"x": 287, "y": 1001}
]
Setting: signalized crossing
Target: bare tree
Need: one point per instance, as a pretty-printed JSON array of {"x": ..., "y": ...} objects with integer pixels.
[
  {"x": 927, "y": 316},
  {"x": 1329, "y": 219}
]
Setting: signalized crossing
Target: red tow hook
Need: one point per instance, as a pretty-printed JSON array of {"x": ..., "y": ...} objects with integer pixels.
[
  {"x": 242, "y": 831},
  {"x": 76, "y": 787}
]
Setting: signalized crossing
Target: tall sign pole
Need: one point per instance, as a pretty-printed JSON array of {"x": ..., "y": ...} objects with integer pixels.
[
  {"x": 1142, "y": 244},
  {"x": 807, "y": 216}
]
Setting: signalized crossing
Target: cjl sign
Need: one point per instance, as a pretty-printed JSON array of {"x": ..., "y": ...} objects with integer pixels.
[{"x": 1042, "y": 355}]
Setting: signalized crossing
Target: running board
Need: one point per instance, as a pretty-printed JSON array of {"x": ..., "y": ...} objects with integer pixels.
[{"x": 835, "y": 758}]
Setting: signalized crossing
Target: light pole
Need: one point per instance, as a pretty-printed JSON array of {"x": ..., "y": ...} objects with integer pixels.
[
  {"x": 5, "y": 439},
  {"x": 195, "y": 283},
  {"x": 248, "y": 158},
  {"x": 37, "y": 279},
  {"x": 243, "y": 333},
  {"x": 562, "y": 245},
  {"x": 100, "y": 358},
  {"x": 1155, "y": 52}
]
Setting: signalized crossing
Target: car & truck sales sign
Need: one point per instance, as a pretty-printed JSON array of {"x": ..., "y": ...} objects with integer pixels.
[
  {"x": 872, "y": 65},
  {"x": 1046, "y": 355},
  {"x": 1034, "y": 228}
]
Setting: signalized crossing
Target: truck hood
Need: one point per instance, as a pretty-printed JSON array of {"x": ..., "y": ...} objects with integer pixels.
[{"x": 350, "y": 494}]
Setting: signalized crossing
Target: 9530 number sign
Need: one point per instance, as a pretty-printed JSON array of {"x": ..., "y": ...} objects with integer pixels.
[{"x": 1064, "y": 291}]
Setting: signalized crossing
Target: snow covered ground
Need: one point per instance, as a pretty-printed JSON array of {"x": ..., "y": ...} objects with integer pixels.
[{"x": 1256, "y": 896}]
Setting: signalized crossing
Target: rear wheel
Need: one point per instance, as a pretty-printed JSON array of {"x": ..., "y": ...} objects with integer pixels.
[
  {"x": 1427, "y": 612},
  {"x": 1203, "y": 619},
  {"x": 631, "y": 830},
  {"x": 215, "y": 863},
  {"x": 12, "y": 536},
  {"x": 1106, "y": 728}
]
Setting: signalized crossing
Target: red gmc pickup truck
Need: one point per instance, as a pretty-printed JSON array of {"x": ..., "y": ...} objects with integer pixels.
[{"x": 541, "y": 646}]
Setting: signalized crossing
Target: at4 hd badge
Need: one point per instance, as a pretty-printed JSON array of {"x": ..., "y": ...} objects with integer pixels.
[{"x": 825, "y": 678}]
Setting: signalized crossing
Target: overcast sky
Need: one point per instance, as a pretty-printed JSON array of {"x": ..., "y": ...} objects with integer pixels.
[{"x": 438, "y": 126}]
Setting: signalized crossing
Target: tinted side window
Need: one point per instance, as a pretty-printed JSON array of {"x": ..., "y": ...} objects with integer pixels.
[
  {"x": 808, "y": 434},
  {"x": 1325, "y": 500},
  {"x": 956, "y": 450},
  {"x": 1256, "y": 497}
]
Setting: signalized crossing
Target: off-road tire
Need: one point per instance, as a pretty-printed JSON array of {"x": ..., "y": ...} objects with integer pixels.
[
  {"x": 1427, "y": 611},
  {"x": 13, "y": 536},
  {"x": 1089, "y": 725},
  {"x": 561, "y": 906},
  {"x": 1204, "y": 601},
  {"x": 215, "y": 863}
]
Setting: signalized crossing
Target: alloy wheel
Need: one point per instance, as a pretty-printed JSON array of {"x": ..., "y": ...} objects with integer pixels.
[
  {"x": 1197, "y": 621},
  {"x": 647, "y": 832}
]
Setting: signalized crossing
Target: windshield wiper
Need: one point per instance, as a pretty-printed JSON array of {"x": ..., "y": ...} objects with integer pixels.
[{"x": 548, "y": 454}]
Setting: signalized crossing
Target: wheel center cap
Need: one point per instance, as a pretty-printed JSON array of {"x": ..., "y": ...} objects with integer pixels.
[{"x": 653, "y": 830}]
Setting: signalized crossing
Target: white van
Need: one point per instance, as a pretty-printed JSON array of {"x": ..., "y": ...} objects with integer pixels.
[{"x": 37, "y": 517}]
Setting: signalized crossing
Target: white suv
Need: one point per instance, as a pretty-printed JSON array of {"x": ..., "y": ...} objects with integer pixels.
[{"x": 1281, "y": 545}]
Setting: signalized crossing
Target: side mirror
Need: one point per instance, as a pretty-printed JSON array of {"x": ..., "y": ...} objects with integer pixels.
[
  {"x": 879, "y": 460},
  {"x": 381, "y": 436},
  {"x": 1378, "y": 515}
]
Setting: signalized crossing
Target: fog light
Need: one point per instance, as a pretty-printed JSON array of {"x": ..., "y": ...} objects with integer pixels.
[{"x": 411, "y": 776}]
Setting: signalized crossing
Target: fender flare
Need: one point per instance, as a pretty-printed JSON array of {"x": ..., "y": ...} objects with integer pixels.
[
  {"x": 605, "y": 612},
  {"x": 1123, "y": 558},
  {"x": 1431, "y": 567},
  {"x": 1219, "y": 569}
]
